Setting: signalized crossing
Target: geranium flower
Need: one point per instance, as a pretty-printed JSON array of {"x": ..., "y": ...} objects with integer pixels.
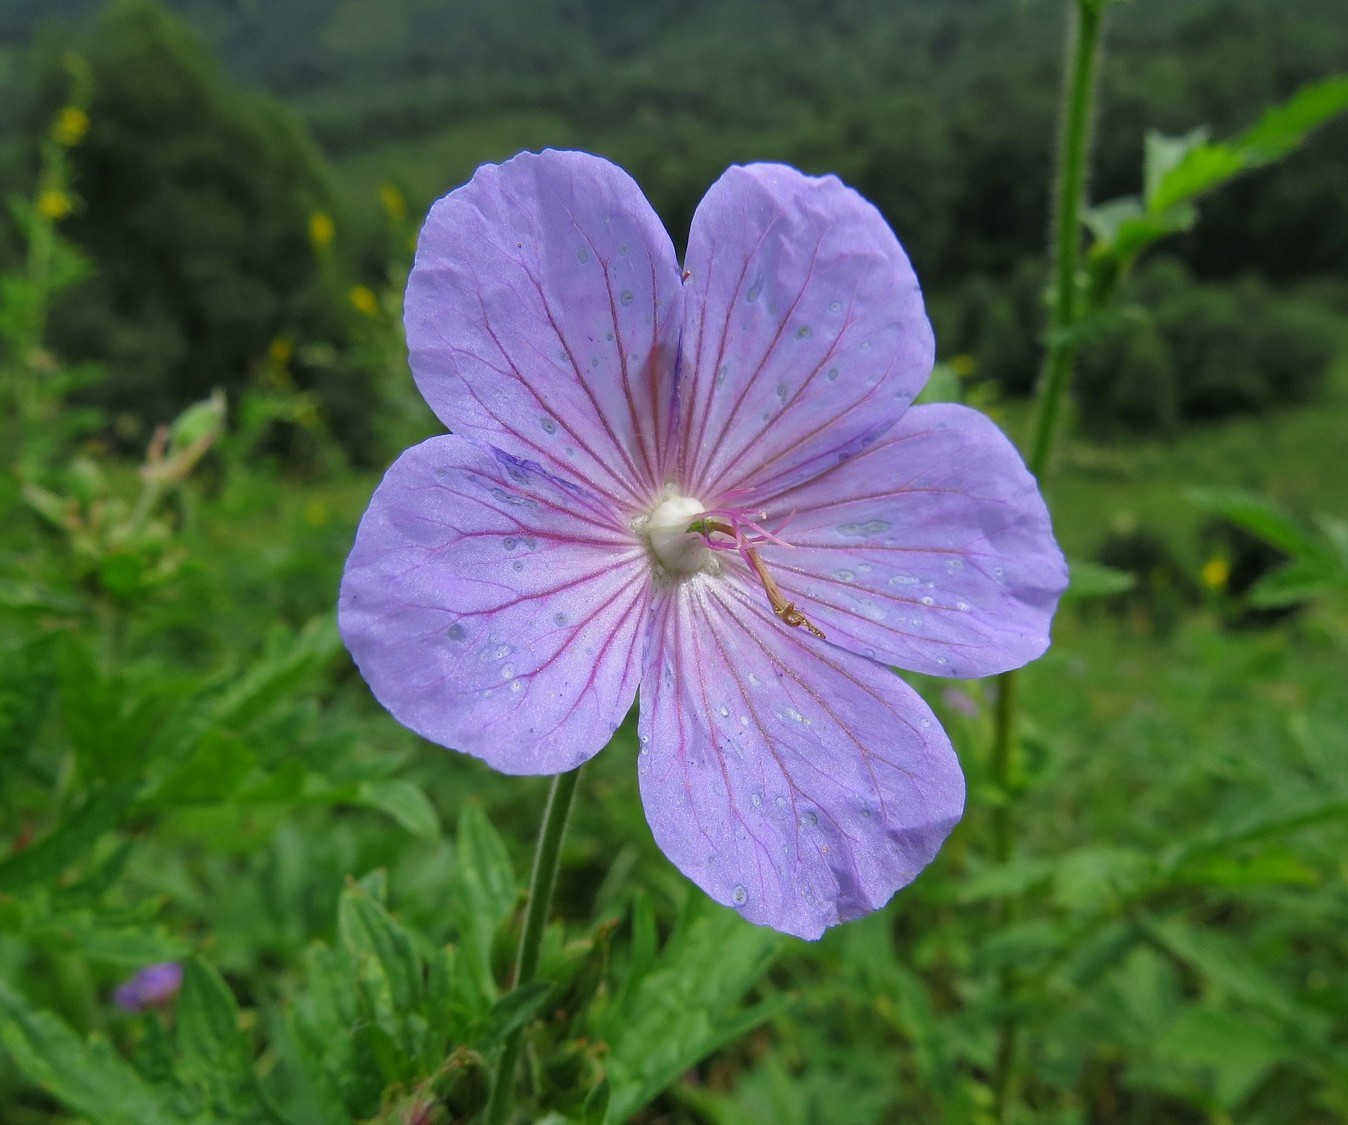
[
  {"x": 705, "y": 483},
  {"x": 152, "y": 987}
]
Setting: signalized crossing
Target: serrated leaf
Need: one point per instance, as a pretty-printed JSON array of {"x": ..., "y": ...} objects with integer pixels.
[
  {"x": 87, "y": 1076},
  {"x": 213, "y": 1056},
  {"x": 1203, "y": 167},
  {"x": 1161, "y": 155},
  {"x": 688, "y": 1005},
  {"x": 389, "y": 970}
]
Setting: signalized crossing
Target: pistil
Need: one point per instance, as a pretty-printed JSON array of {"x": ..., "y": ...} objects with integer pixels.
[{"x": 733, "y": 529}]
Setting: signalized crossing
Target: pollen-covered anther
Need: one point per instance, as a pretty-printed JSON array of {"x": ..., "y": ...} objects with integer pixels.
[{"x": 732, "y": 528}]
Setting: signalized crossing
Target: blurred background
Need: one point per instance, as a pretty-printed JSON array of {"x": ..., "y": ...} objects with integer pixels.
[{"x": 211, "y": 209}]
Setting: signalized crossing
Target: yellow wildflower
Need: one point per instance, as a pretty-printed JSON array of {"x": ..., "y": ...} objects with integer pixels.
[
  {"x": 321, "y": 230},
  {"x": 280, "y": 350},
  {"x": 394, "y": 202},
  {"x": 53, "y": 204},
  {"x": 70, "y": 126},
  {"x": 363, "y": 300},
  {"x": 1216, "y": 573}
]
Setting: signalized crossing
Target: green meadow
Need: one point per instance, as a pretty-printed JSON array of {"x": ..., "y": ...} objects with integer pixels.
[{"x": 1142, "y": 917}]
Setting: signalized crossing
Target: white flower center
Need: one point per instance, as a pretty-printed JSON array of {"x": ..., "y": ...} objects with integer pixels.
[{"x": 677, "y": 549}]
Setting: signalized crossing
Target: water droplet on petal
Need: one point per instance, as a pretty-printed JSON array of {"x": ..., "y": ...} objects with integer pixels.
[
  {"x": 832, "y": 375},
  {"x": 755, "y": 800},
  {"x": 549, "y": 426},
  {"x": 507, "y": 671},
  {"x": 845, "y": 575},
  {"x": 559, "y": 618},
  {"x": 754, "y": 290},
  {"x": 865, "y": 529},
  {"x": 455, "y": 632},
  {"x": 582, "y": 255},
  {"x": 927, "y": 599},
  {"x": 740, "y": 895},
  {"x": 508, "y": 542},
  {"x": 961, "y": 605},
  {"x": 803, "y": 332},
  {"x": 516, "y": 685},
  {"x": 835, "y": 306},
  {"x": 809, "y": 819},
  {"x": 780, "y": 802},
  {"x": 725, "y": 712},
  {"x": 626, "y": 297}
]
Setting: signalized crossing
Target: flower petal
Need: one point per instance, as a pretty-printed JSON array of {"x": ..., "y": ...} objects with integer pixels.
[
  {"x": 495, "y": 609},
  {"x": 798, "y": 783},
  {"x": 542, "y": 318},
  {"x": 931, "y": 550},
  {"x": 804, "y": 332}
]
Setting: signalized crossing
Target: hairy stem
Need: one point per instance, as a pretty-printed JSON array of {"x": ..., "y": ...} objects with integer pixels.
[
  {"x": 1082, "y": 56},
  {"x": 547, "y": 858}
]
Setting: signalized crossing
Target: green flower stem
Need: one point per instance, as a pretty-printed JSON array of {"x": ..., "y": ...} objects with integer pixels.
[
  {"x": 1083, "y": 57},
  {"x": 547, "y": 858},
  {"x": 1083, "y": 54}
]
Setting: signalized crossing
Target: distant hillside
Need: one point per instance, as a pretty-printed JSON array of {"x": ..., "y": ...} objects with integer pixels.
[{"x": 941, "y": 112}]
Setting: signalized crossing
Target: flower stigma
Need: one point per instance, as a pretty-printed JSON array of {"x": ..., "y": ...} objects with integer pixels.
[{"x": 741, "y": 531}]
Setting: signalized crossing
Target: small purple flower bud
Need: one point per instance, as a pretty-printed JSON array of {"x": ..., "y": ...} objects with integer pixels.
[{"x": 153, "y": 987}]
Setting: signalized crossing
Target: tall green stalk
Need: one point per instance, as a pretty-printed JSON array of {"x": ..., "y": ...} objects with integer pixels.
[
  {"x": 547, "y": 858},
  {"x": 1082, "y": 55}
]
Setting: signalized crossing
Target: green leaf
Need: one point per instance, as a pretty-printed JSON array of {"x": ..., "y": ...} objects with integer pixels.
[
  {"x": 213, "y": 1057},
  {"x": 1202, "y": 167},
  {"x": 1238, "y": 1053},
  {"x": 1260, "y": 517},
  {"x": 389, "y": 971},
  {"x": 89, "y": 1077},
  {"x": 1095, "y": 580},
  {"x": 45, "y": 861},
  {"x": 1277, "y": 816},
  {"x": 1298, "y": 581},
  {"x": 485, "y": 892},
  {"x": 1161, "y": 155},
  {"x": 278, "y": 674},
  {"x": 404, "y": 801},
  {"x": 687, "y": 1006},
  {"x": 516, "y": 1008},
  {"x": 1225, "y": 965}
]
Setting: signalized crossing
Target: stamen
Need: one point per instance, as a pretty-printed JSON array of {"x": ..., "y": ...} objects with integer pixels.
[{"x": 732, "y": 528}]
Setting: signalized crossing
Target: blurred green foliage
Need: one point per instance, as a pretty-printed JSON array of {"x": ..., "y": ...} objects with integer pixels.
[{"x": 193, "y": 771}]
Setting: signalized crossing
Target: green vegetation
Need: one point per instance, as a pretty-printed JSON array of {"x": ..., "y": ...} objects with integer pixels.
[{"x": 191, "y": 770}]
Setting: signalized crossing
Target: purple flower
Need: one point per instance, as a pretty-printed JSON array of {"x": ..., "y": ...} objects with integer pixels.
[
  {"x": 706, "y": 483},
  {"x": 152, "y": 987}
]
